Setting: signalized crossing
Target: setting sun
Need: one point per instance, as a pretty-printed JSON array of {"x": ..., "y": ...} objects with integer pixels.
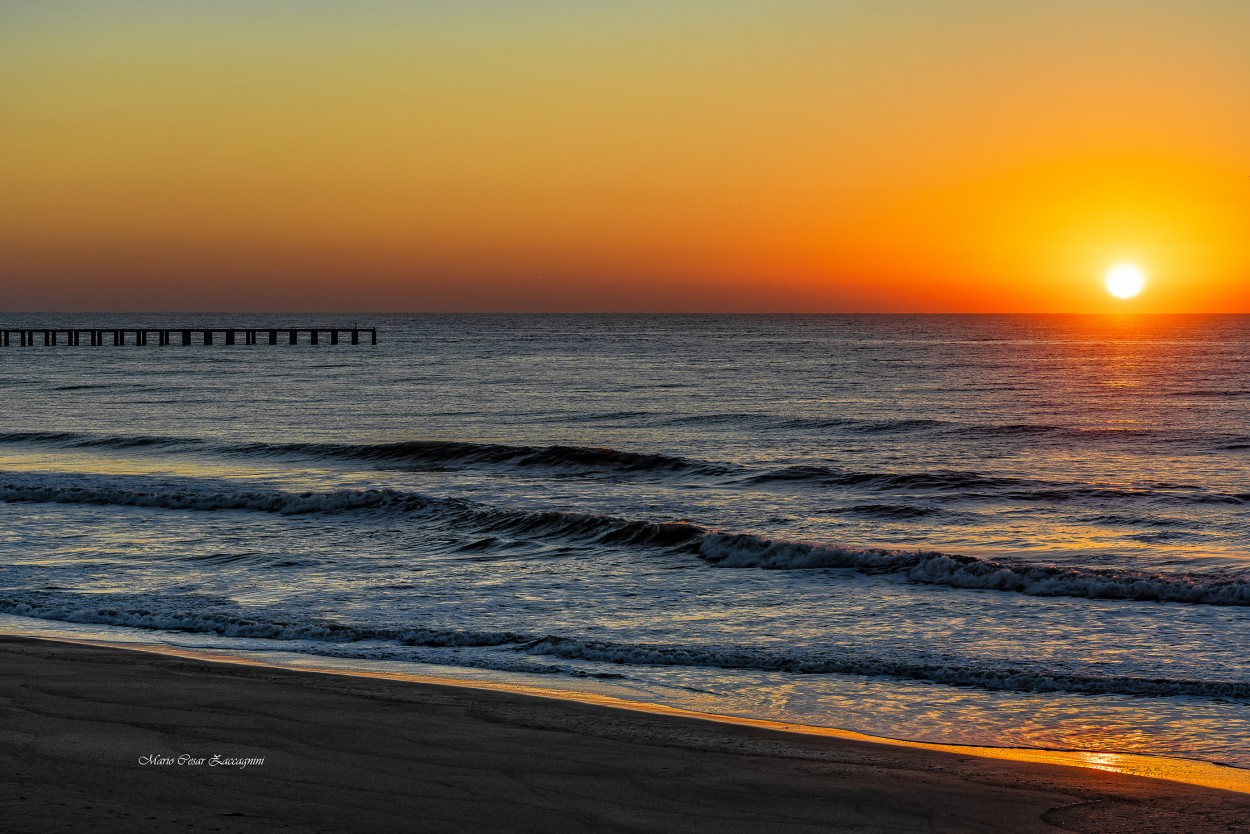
[{"x": 1125, "y": 280}]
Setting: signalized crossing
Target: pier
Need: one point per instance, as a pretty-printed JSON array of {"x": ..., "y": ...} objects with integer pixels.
[{"x": 205, "y": 336}]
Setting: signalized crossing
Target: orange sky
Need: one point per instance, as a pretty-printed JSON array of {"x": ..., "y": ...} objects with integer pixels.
[{"x": 806, "y": 156}]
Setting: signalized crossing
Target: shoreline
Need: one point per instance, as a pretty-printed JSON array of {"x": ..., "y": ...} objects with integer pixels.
[
  {"x": 1188, "y": 771},
  {"x": 352, "y": 751}
]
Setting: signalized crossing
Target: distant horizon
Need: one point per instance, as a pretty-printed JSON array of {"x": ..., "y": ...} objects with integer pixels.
[{"x": 1123, "y": 314}]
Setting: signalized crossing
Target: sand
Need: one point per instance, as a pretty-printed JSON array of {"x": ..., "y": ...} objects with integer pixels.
[{"x": 86, "y": 733}]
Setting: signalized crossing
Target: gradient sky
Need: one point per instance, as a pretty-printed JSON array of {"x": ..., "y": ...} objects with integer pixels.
[{"x": 689, "y": 155}]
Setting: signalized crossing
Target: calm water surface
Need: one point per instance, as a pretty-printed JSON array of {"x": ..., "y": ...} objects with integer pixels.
[{"x": 988, "y": 530}]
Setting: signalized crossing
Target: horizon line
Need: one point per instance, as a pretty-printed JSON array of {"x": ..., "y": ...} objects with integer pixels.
[{"x": 206, "y": 312}]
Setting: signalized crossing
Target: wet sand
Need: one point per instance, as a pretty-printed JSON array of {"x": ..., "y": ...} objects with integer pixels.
[{"x": 86, "y": 731}]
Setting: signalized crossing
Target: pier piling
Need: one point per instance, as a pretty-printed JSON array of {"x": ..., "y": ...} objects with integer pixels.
[{"x": 28, "y": 337}]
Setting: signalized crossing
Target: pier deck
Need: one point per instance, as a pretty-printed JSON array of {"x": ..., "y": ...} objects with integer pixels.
[{"x": 207, "y": 336}]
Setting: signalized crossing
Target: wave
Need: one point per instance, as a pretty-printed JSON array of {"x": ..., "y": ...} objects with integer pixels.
[
  {"x": 1119, "y": 520},
  {"x": 973, "y": 430},
  {"x": 940, "y": 480},
  {"x": 78, "y": 440},
  {"x": 1012, "y": 429},
  {"x": 898, "y": 512},
  {"x": 958, "y": 571},
  {"x": 1152, "y": 492},
  {"x": 585, "y": 461},
  {"x": 864, "y": 426},
  {"x": 196, "y": 614},
  {"x": 717, "y": 419},
  {"x": 450, "y": 452},
  {"x": 192, "y": 495},
  {"x": 721, "y": 549},
  {"x": 609, "y": 416},
  {"x": 976, "y": 486},
  {"x": 860, "y": 425},
  {"x": 495, "y": 648},
  {"x": 415, "y": 453},
  {"x": 1030, "y": 432},
  {"x": 979, "y": 675}
]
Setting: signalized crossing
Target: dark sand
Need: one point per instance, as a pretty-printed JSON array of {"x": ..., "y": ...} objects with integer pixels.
[{"x": 351, "y": 754}]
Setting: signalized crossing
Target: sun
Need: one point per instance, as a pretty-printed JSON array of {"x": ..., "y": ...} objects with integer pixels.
[{"x": 1125, "y": 280}]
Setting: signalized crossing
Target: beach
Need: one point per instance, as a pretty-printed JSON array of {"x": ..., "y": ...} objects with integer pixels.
[{"x": 92, "y": 738}]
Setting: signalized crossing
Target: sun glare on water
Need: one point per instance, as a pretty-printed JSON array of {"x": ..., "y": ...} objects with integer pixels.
[{"x": 1125, "y": 280}]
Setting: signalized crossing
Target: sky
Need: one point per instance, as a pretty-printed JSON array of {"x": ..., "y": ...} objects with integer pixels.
[{"x": 585, "y": 155}]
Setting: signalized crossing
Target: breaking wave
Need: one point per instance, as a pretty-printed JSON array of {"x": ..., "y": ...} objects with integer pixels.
[
  {"x": 957, "y": 571},
  {"x": 190, "y": 495},
  {"x": 726, "y": 550},
  {"x": 497, "y": 649}
]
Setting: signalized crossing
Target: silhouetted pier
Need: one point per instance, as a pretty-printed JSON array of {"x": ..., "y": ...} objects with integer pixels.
[{"x": 118, "y": 336}]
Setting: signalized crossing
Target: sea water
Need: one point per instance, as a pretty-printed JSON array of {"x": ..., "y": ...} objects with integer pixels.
[{"x": 1003, "y": 530}]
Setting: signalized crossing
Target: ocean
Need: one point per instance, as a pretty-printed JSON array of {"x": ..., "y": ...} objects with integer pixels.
[{"x": 994, "y": 530}]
